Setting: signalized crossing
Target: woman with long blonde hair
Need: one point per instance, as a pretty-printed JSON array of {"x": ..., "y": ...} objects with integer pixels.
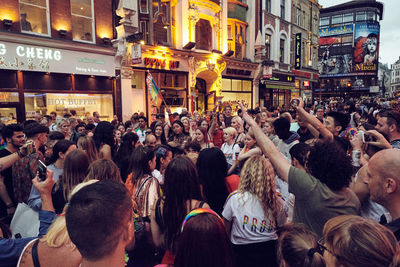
[{"x": 253, "y": 213}]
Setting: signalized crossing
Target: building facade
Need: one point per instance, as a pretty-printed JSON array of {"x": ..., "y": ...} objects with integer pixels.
[
  {"x": 349, "y": 49},
  {"x": 198, "y": 52},
  {"x": 305, "y": 19},
  {"x": 57, "y": 56},
  {"x": 273, "y": 45},
  {"x": 395, "y": 78}
]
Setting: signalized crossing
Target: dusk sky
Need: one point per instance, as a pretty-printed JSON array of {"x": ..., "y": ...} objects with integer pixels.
[{"x": 389, "y": 50}]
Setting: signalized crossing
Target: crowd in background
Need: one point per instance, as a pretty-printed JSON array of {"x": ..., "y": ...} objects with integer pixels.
[{"x": 313, "y": 184}]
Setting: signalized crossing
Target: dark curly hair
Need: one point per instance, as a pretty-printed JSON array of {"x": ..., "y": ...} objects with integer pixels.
[
  {"x": 104, "y": 134},
  {"x": 329, "y": 163}
]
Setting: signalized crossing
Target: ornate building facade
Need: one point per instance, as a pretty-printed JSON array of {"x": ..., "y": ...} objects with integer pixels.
[{"x": 199, "y": 52}]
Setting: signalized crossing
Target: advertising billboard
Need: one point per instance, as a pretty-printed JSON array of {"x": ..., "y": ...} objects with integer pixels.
[
  {"x": 338, "y": 30},
  {"x": 297, "y": 55},
  {"x": 366, "y": 48}
]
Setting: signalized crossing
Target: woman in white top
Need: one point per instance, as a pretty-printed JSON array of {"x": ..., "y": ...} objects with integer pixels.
[
  {"x": 253, "y": 213},
  {"x": 230, "y": 149}
]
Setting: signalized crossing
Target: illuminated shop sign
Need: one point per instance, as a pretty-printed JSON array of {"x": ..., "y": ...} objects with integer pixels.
[
  {"x": 339, "y": 30},
  {"x": 297, "y": 64},
  {"x": 159, "y": 63},
  {"x": 35, "y": 58}
]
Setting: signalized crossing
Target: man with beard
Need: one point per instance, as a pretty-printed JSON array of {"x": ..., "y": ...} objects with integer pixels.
[
  {"x": 15, "y": 138},
  {"x": 389, "y": 126}
]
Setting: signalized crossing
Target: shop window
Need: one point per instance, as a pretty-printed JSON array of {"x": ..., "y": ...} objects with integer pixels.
[
  {"x": 226, "y": 85},
  {"x": 239, "y": 42},
  {"x": 347, "y": 18},
  {"x": 361, "y": 16},
  {"x": 34, "y": 16},
  {"x": 8, "y": 79},
  {"x": 246, "y": 86},
  {"x": 324, "y": 21},
  {"x": 268, "y": 6},
  {"x": 62, "y": 103},
  {"x": 144, "y": 7},
  {"x": 283, "y": 9},
  {"x": 93, "y": 83},
  {"x": 8, "y": 115},
  {"x": 46, "y": 81},
  {"x": 82, "y": 20},
  {"x": 282, "y": 50},
  {"x": 338, "y": 19},
  {"x": 236, "y": 85},
  {"x": 203, "y": 35},
  {"x": 268, "y": 46},
  {"x": 9, "y": 97}
]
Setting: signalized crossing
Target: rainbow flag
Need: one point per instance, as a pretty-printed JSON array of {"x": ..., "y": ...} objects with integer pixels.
[{"x": 154, "y": 90}]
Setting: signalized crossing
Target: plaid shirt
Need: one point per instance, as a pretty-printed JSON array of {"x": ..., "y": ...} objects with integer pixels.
[{"x": 23, "y": 171}]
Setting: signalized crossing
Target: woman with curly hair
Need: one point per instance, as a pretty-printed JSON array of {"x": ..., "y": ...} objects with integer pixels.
[
  {"x": 179, "y": 136},
  {"x": 253, "y": 213}
]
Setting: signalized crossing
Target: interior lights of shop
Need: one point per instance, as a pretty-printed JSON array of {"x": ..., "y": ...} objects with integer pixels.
[{"x": 142, "y": 42}]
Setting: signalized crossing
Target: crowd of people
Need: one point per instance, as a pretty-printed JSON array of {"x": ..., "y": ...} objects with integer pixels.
[{"x": 306, "y": 185}]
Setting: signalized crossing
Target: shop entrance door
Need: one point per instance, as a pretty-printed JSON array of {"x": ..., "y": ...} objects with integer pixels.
[
  {"x": 201, "y": 88},
  {"x": 10, "y": 113}
]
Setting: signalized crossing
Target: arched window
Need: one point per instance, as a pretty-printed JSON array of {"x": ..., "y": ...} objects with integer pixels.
[
  {"x": 203, "y": 35},
  {"x": 268, "y": 42}
]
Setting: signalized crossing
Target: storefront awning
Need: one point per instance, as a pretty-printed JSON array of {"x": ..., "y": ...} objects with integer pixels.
[{"x": 284, "y": 87}]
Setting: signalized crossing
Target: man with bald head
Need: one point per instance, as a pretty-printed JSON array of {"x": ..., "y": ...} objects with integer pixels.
[
  {"x": 150, "y": 141},
  {"x": 383, "y": 179}
]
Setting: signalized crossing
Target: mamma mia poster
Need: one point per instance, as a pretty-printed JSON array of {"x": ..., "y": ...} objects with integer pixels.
[{"x": 366, "y": 48}]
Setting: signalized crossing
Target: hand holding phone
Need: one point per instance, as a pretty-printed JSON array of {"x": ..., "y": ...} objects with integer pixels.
[{"x": 42, "y": 170}]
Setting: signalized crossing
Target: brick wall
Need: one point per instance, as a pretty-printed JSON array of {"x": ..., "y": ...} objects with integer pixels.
[
  {"x": 9, "y": 9},
  {"x": 60, "y": 17},
  {"x": 103, "y": 16}
]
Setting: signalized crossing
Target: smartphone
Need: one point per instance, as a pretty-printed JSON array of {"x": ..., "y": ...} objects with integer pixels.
[
  {"x": 42, "y": 169},
  {"x": 295, "y": 102}
]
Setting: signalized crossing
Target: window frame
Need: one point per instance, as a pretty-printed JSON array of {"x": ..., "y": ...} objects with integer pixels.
[
  {"x": 147, "y": 7},
  {"x": 337, "y": 19},
  {"x": 282, "y": 9},
  {"x": 93, "y": 25},
  {"x": 268, "y": 6},
  {"x": 324, "y": 19},
  {"x": 282, "y": 40},
  {"x": 268, "y": 47},
  {"x": 347, "y": 15},
  {"x": 47, "y": 18},
  {"x": 359, "y": 14}
]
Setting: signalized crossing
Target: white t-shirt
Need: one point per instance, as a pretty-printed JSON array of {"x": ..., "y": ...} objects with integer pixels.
[
  {"x": 157, "y": 174},
  {"x": 231, "y": 152},
  {"x": 249, "y": 223}
]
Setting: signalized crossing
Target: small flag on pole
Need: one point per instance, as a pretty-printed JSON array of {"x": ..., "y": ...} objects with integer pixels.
[{"x": 154, "y": 90}]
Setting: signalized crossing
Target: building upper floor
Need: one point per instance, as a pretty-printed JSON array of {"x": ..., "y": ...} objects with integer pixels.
[
  {"x": 352, "y": 12},
  {"x": 83, "y": 21}
]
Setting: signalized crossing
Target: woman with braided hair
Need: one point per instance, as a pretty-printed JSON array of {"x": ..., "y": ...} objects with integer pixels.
[{"x": 253, "y": 213}]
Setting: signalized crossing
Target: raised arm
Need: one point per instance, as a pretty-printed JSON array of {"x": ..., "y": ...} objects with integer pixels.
[
  {"x": 279, "y": 162},
  {"x": 313, "y": 121}
]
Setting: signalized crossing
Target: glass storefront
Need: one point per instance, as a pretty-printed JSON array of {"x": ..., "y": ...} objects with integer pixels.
[
  {"x": 235, "y": 90},
  {"x": 83, "y": 104}
]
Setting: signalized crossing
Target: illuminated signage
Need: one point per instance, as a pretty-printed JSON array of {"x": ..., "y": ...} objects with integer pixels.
[
  {"x": 297, "y": 57},
  {"x": 306, "y": 83},
  {"x": 160, "y": 63},
  {"x": 45, "y": 59},
  {"x": 339, "y": 30}
]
